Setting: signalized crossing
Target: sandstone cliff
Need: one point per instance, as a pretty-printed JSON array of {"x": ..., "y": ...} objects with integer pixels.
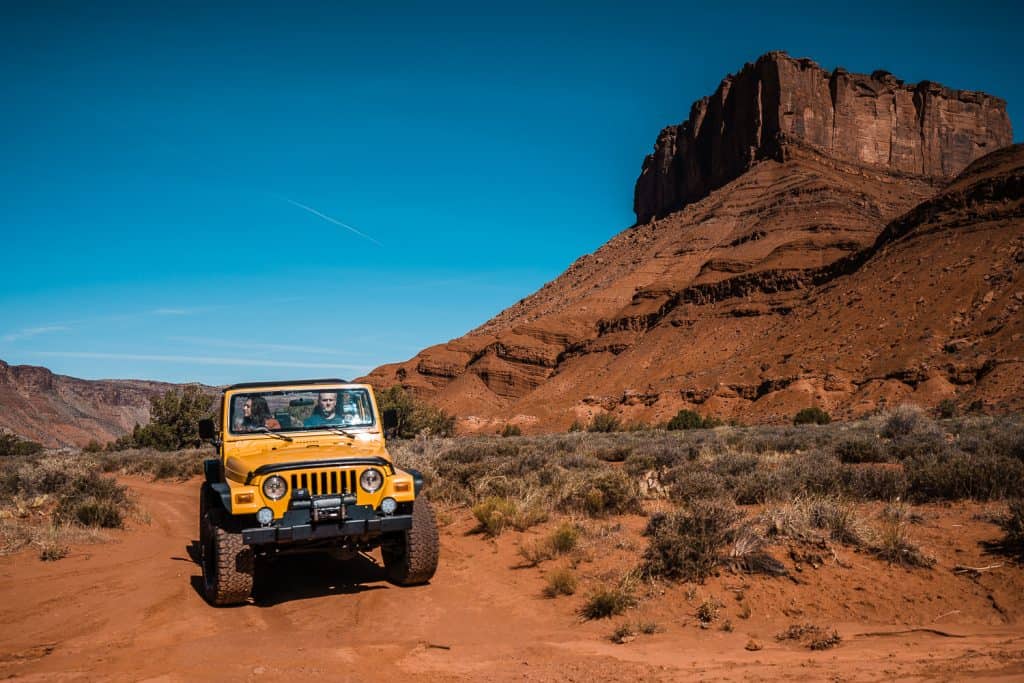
[
  {"x": 784, "y": 183},
  {"x": 922, "y": 129},
  {"x": 58, "y": 410}
]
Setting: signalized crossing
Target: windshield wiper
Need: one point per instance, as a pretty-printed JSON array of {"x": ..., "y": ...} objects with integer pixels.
[
  {"x": 266, "y": 430},
  {"x": 339, "y": 430}
]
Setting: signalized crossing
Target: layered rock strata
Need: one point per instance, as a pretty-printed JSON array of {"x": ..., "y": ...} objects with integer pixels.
[{"x": 877, "y": 120}]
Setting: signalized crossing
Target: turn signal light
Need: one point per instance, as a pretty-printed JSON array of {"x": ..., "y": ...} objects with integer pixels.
[
  {"x": 402, "y": 486},
  {"x": 243, "y": 497}
]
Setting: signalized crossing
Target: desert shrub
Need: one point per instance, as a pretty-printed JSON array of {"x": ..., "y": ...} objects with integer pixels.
[
  {"x": 904, "y": 420},
  {"x": 874, "y": 481},
  {"x": 946, "y": 409},
  {"x": 815, "y": 472},
  {"x": 623, "y": 633},
  {"x": 576, "y": 426},
  {"x": 414, "y": 416},
  {"x": 1013, "y": 525},
  {"x": 92, "y": 500},
  {"x": 560, "y": 541},
  {"x": 93, "y": 446},
  {"x": 52, "y": 548},
  {"x": 511, "y": 430},
  {"x": 607, "y": 602},
  {"x": 495, "y": 514},
  {"x": 687, "y": 483},
  {"x": 173, "y": 423},
  {"x": 708, "y": 610},
  {"x": 560, "y": 582},
  {"x": 564, "y": 538},
  {"x": 813, "y": 415},
  {"x": 601, "y": 492},
  {"x": 686, "y": 545},
  {"x": 180, "y": 464},
  {"x": 955, "y": 475},
  {"x": 604, "y": 423},
  {"x": 637, "y": 464},
  {"x": 614, "y": 453},
  {"x": 892, "y": 544},
  {"x": 838, "y": 517},
  {"x": 688, "y": 419},
  {"x": 860, "y": 450},
  {"x": 12, "y": 444}
]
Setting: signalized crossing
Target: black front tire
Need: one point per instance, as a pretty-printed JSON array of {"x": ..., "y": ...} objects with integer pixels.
[
  {"x": 229, "y": 567},
  {"x": 410, "y": 558}
]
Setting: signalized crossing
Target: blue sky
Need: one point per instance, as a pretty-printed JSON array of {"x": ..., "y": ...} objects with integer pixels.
[{"x": 157, "y": 161}]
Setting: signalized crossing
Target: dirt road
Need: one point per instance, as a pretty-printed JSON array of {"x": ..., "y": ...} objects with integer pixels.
[{"x": 130, "y": 610}]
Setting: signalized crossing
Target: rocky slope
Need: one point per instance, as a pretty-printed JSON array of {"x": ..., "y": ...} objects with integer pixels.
[
  {"x": 788, "y": 202},
  {"x": 58, "y": 410}
]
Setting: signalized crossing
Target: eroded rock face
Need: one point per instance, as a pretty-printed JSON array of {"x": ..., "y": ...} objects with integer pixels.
[
  {"x": 57, "y": 410},
  {"x": 876, "y": 120}
]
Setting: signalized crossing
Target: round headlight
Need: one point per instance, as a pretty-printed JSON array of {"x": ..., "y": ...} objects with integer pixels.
[
  {"x": 274, "y": 488},
  {"x": 371, "y": 480},
  {"x": 388, "y": 506}
]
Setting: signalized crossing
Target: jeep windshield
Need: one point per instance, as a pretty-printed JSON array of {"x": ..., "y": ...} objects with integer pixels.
[{"x": 323, "y": 408}]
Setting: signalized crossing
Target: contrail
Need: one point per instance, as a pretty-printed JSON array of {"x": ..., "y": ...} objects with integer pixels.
[{"x": 332, "y": 220}]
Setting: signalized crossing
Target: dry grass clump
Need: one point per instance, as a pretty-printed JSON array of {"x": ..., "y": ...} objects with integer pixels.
[
  {"x": 1013, "y": 525},
  {"x": 601, "y": 492},
  {"x": 561, "y": 541},
  {"x": 811, "y": 636},
  {"x": 70, "y": 488},
  {"x": 607, "y": 602},
  {"x": 892, "y": 543},
  {"x": 806, "y": 518},
  {"x": 708, "y": 610},
  {"x": 560, "y": 582},
  {"x": 495, "y": 514},
  {"x": 687, "y": 545},
  {"x": 179, "y": 465}
]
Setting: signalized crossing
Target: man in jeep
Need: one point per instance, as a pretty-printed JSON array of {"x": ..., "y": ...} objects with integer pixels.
[{"x": 326, "y": 411}]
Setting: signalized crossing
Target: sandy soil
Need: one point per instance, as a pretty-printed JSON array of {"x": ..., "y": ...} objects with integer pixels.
[{"x": 130, "y": 610}]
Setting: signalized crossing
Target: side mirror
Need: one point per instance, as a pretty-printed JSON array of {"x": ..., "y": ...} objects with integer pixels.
[
  {"x": 389, "y": 420},
  {"x": 207, "y": 430}
]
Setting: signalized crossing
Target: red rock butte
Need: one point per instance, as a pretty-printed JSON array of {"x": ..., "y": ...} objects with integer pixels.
[{"x": 803, "y": 238}]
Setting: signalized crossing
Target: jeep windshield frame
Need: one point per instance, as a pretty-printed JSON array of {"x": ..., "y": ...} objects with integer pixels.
[{"x": 275, "y": 412}]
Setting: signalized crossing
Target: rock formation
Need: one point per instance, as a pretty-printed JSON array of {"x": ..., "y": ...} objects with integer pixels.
[
  {"x": 922, "y": 129},
  {"x": 796, "y": 244},
  {"x": 57, "y": 410}
]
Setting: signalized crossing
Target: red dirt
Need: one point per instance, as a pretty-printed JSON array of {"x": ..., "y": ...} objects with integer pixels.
[{"x": 130, "y": 610}]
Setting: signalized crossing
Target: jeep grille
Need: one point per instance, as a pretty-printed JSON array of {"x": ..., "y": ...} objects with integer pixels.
[{"x": 325, "y": 482}]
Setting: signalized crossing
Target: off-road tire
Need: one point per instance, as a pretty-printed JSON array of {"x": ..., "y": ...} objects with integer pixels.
[
  {"x": 228, "y": 564},
  {"x": 208, "y": 500},
  {"x": 411, "y": 559}
]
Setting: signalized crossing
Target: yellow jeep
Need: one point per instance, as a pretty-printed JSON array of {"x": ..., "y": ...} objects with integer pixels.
[{"x": 303, "y": 466}]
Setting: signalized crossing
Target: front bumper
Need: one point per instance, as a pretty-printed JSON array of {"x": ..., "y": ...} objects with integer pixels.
[{"x": 359, "y": 521}]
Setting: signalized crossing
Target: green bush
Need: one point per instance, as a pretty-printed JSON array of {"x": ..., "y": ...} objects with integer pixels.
[
  {"x": 601, "y": 492},
  {"x": 607, "y": 602},
  {"x": 688, "y": 419},
  {"x": 604, "y": 423},
  {"x": 813, "y": 415},
  {"x": 511, "y": 430},
  {"x": 1013, "y": 525},
  {"x": 12, "y": 444},
  {"x": 415, "y": 417},
  {"x": 947, "y": 409},
  {"x": 860, "y": 450},
  {"x": 560, "y": 582},
  {"x": 173, "y": 422}
]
